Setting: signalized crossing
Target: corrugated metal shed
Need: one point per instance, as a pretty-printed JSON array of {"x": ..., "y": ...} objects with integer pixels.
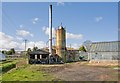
[
  {"x": 105, "y": 46},
  {"x": 105, "y": 50}
]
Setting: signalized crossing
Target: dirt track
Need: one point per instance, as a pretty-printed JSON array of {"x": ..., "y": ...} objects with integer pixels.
[{"x": 81, "y": 72}]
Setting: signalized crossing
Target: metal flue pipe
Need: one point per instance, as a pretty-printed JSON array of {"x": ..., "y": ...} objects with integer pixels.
[{"x": 50, "y": 31}]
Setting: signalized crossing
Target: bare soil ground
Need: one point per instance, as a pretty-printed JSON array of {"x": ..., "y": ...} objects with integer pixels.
[{"x": 80, "y": 71}]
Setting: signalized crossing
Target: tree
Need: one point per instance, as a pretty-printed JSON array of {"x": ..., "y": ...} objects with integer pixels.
[
  {"x": 9, "y": 53},
  {"x": 4, "y": 52},
  {"x": 12, "y": 50},
  {"x": 29, "y": 50},
  {"x": 82, "y": 48},
  {"x": 35, "y": 48}
]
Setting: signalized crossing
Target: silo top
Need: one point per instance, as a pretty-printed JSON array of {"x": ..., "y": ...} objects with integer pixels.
[{"x": 60, "y": 27}]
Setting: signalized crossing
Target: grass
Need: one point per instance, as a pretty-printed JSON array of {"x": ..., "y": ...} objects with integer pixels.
[{"x": 28, "y": 73}]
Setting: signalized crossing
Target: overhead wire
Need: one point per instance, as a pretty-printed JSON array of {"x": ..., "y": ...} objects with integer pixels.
[{"x": 8, "y": 19}]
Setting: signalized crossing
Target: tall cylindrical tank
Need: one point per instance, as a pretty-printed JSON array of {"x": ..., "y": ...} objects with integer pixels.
[{"x": 61, "y": 43}]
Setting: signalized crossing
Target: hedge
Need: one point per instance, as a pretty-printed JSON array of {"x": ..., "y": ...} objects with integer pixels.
[
  {"x": 8, "y": 66},
  {"x": 7, "y": 61}
]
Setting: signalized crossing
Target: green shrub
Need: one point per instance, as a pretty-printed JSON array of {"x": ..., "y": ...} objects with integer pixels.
[
  {"x": 8, "y": 66},
  {"x": 7, "y": 61}
]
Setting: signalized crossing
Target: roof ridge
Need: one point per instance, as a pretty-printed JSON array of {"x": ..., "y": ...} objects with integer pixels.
[{"x": 105, "y": 42}]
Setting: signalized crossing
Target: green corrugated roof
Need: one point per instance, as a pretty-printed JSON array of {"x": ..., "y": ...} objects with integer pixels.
[{"x": 112, "y": 46}]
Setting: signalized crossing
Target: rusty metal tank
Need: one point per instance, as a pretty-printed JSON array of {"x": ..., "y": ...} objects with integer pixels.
[{"x": 61, "y": 43}]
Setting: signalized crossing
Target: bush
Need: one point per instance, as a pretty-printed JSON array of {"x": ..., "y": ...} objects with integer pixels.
[
  {"x": 8, "y": 66},
  {"x": 81, "y": 57},
  {"x": 7, "y": 61}
]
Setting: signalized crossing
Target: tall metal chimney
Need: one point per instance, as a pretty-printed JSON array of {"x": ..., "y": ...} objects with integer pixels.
[{"x": 50, "y": 31}]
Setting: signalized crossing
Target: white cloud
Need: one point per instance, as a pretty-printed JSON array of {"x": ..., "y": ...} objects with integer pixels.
[
  {"x": 24, "y": 33},
  {"x": 98, "y": 19},
  {"x": 31, "y": 44},
  {"x": 60, "y": 2},
  {"x": 74, "y": 36},
  {"x": 40, "y": 44},
  {"x": 74, "y": 45},
  {"x": 46, "y": 31},
  {"x": 19, "y": 38},
  {"x": 13, "y": 44},
  {"x": 8, "y": 42},
  {"x": 35, "y": 20},
  {"x": 21, "y": 26},
  {"x": 5, "y": 37},
  {"x": 68, "y": 35}
]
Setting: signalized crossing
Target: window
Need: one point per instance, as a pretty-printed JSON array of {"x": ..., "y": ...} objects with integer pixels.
[{"x": 35, "y": 56}]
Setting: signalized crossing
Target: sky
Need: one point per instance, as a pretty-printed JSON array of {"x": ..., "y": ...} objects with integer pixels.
[{"x": 95, "y": 21}]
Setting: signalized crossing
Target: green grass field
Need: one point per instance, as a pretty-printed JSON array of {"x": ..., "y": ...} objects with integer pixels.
[{"x": 27, "y": 73}]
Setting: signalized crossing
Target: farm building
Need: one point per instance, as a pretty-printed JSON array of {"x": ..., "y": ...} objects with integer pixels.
[
  {"x": 41, "y": 56},
  {"x": 104, "y": 51},
  {"x": 38, "y": 56}
]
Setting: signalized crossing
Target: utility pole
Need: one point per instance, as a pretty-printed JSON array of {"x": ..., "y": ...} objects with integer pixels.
[{"x": 25, "y": 40}]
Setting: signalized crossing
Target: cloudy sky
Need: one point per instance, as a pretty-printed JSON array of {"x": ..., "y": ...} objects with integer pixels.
[{"x": 83, "y": 21}]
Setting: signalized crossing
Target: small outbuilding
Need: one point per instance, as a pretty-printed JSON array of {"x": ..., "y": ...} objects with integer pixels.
[{"x": 38, "y": 56}]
